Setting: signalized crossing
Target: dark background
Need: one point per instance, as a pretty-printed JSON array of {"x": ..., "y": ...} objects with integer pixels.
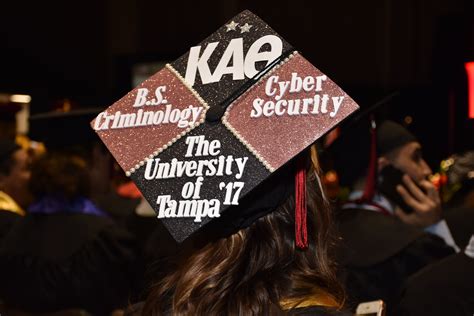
[{"x": 83, "y": 50}]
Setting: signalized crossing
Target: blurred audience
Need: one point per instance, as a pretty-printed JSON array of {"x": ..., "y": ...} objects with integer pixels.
[
  {"x": 66, "y": 252},
  {"x": 459, "y": 170}
]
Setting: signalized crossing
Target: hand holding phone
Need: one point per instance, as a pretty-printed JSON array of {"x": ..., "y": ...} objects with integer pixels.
[
  {"x": 418, "y": 204},
  {"x": 423, "y": 199},
  {"x": 389, "y": 178}
]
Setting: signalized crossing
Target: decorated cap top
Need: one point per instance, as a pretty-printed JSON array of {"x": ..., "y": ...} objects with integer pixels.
[{"x": 201, "y": 134}]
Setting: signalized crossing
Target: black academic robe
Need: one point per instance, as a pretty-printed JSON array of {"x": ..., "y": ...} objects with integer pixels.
[
  {"x": 461, "y": 224},
  {"x": 61, "y": 261},
  {"x": 156, "y": 248},
  {"x": 7, "y": 220},
  {"x": 443, "y": 288},
  {"x": 117, "y": 207},
  {"x": 379, "y": 252}
]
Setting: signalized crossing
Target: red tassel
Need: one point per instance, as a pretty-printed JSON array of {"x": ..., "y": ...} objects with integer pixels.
[
  {"x": 369, "y": 190},
  {"x": 300, "y": 207}
]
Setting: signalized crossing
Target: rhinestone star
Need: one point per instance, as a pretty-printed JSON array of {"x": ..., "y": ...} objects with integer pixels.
[
  {"x": 245, "y": 28},
  {"x": 231, "y": 26}
]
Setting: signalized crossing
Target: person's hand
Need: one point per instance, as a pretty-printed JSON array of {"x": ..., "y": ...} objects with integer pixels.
[{"x": 426, "y": 205}]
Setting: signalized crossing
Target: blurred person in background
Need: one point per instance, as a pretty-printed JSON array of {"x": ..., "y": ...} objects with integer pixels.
[
  {"x": 458, "y": 193},
  {"x": 14, "y": 178},
  {"x": 392, "y": 223},
  {"x": 459, "y": 170},
  {"x": 66, "y": 252}
]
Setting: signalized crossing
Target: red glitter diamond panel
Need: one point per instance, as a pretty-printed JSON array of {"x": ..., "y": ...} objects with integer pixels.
[
  {"x": 148, "y": 119},
  {"x": 287, "y": 110}
]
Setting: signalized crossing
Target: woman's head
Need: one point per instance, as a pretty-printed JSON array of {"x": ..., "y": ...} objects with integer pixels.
[{"x": 251, "y": 271}]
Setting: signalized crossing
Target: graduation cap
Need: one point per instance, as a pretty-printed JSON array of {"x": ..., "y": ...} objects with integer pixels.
[
  {"x": 350, "y": 152},
  {"x": 212, "y": 135},
  {"x": 58, "y": 129}
]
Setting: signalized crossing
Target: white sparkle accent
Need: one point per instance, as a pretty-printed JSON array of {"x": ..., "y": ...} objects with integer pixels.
[
  {"x": 232, "y": 26},
  {"x": 245, "y": 28}
]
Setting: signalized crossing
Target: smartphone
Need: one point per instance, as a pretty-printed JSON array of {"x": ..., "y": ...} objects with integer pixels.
[
  {"x": 389, "y": 178},
  {"x": 374, "y": 308}
]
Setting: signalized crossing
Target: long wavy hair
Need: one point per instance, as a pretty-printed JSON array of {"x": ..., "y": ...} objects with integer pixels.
[{"x": 253, "y": 270}]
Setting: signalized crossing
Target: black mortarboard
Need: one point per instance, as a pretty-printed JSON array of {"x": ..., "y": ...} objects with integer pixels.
[
  {"x": 351, "y": 151},
  {"x": 210, "y": 133},
  {"x": 391, "y": 135},
  {"x": 59, "y": 129}
]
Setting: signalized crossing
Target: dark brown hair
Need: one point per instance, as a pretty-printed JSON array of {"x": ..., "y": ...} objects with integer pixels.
[
  {"x": 59, "y": 174},
  {"x": 252, "y": 271}
]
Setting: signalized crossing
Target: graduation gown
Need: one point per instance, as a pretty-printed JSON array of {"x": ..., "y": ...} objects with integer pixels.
[
  {"x": 119, "y": 208},
  {"x": 66, "y": 260},
  {"x": 10, "y": 213},
  {"x": 7, "y": 220},
  {"x": 461, "y": 224},
  {"x": 443, "y": 288},
  {"x": 378, "y": 252},
  {"x": 155, "y": 249}
]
